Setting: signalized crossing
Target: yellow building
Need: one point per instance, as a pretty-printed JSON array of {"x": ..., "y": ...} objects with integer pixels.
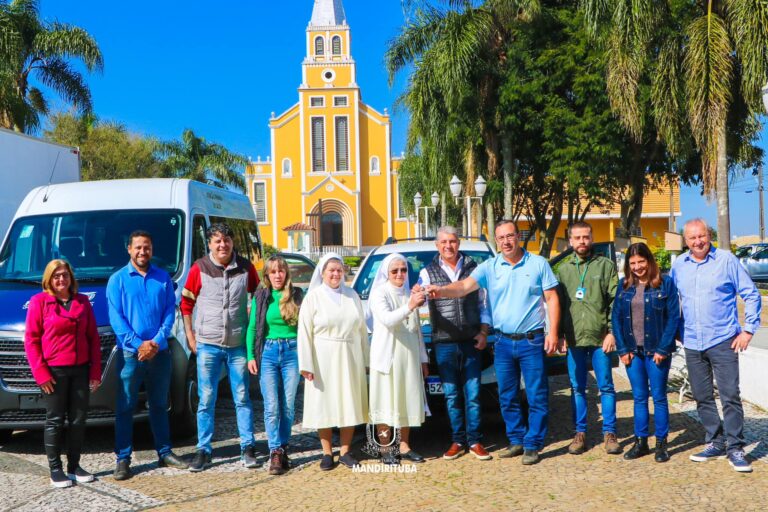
[
  {"x": 330, "y": 177},
  {"x": 654, "y": 221},
  {"x": 330, "y": 152}
]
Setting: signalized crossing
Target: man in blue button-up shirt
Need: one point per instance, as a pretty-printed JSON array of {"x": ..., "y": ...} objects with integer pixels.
[
  {"x": 142, "y": 306},
  {"x": 709, "y": 281}
]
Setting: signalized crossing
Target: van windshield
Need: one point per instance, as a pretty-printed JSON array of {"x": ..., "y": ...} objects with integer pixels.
[{"x": 94, "y": 243}]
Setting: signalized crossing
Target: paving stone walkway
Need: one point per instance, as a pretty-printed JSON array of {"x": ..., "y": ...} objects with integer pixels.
[{"x": 592, "y": 481}]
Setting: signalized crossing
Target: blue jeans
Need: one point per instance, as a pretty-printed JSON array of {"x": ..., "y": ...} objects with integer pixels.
[
  {"x": 279, "y": 378},
  {"x": 512, "y": 359},
  {"x": 459, "y": 366},
  {"x": 577, "y": 371},
  {"x": 210, "y": 358},
  {"x": 642, "y": 372},
  {"x": 156, "y": 376}
]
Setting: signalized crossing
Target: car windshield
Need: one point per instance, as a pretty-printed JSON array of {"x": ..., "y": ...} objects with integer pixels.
[
  {"x": 94, "y": 243},
  {"x": 416, "y": 261},
  {"x": 742, "y": 251},
  {"x": 301, "y": 271}
]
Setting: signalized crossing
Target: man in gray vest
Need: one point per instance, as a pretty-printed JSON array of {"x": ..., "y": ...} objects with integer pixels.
[{"x": 459, "y": 331}]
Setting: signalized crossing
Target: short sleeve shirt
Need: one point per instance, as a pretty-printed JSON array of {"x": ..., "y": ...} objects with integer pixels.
[{"x": 516, "y": 293}]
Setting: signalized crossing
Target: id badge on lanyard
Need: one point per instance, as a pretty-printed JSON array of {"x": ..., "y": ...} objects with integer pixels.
[{"x": 581, "y": 291}]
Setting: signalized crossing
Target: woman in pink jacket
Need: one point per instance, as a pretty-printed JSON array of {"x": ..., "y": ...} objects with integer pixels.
[{"x": 64, "y": 352}]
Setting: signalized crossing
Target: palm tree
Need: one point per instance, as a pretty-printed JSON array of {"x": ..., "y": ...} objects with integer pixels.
[
  {"x": 196, "y": 159},
  {"x": 33, "y": 50},
  {"x": 706, "y": 63},
  {"x": 457, "y": 56}
]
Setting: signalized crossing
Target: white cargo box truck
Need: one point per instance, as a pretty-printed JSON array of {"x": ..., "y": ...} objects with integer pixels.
[{"x": 27, "y": 162}]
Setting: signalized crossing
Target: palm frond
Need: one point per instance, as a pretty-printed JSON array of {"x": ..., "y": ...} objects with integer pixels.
[
  {"x": 748, "y": 23},
  {"x": 708, "y": 67},
  {"x": 70, "y": 42},
  {"x": 69, "y": 83},
  {"x": 668, "y": 94}
]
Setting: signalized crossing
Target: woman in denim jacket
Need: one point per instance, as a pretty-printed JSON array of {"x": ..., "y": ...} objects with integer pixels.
[{"x": 645, "y": 318}]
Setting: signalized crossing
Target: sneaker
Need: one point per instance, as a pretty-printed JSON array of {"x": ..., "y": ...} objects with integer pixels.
[
  {"x": 326, "y": 463},
  {"x": 738, "y": 461},
  {"x": 579, "y": 444},
  {"x": 662, "y": 455},
  {"x": 286, "y": 462},
  {"x": 348, "y": 460},
  {"x": 454, "y": 452},
  {"x": 201, "y": 460},
  {"x": 530, "y": 457},
  {"x": 710, "y": 452},
  {"x": 248, "y": 456},
  {"x": 612, "y": 445},
  {"x": 79, "y": 475},
  {"x": 389, "y": 458},
  {"x": 479, "y": 452},
  {"x": 513, "y": 450},
  {"x": 171, "y": 460},
  {"x": 59, "y": 479},
  {"x": 122, "y": 470},
  {"x": 276, "y": 462}
]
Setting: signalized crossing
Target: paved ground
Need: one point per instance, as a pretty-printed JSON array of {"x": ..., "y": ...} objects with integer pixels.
[{"x": 559, "y": 482}]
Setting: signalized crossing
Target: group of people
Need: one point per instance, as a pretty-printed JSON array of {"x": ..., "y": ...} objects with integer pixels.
[{"x": 279, "y": 334}]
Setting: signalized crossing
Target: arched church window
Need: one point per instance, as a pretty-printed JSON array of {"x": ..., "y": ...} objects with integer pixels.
[
  {"x": 336, "y": 45},
  {"x": 319, "y": 45}
]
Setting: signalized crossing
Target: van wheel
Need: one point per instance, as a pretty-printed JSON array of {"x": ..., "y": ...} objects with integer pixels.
[
  {"x": 185, "y": 420},
  {"x": 5, "y": 436}
]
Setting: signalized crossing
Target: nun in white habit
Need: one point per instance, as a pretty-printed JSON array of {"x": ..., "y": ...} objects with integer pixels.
[
  {"x": 398, "y": 358},
  {"x": 333, "y": 356}
]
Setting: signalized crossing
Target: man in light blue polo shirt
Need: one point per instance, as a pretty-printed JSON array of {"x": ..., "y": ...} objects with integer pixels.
[
  {"x": 517, "y": 283},
  {"x": 709, "y": 281}
]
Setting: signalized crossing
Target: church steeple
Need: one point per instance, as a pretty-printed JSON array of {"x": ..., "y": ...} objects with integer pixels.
[
  {"x": 329, "y": 60},
  {"x": 328, "y": 13}
]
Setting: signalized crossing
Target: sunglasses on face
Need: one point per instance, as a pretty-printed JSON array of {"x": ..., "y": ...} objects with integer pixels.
[{"x": 396, "y": 271}]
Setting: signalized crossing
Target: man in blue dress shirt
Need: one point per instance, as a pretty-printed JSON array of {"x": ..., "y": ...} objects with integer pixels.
[
  {"x": 518, "y": 284},
  {"x": 142, "y": 306},
  {"x": 709, "y": 281}
]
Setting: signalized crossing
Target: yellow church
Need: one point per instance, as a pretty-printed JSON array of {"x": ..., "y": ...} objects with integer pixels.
[{"x": 331, "y": 179}]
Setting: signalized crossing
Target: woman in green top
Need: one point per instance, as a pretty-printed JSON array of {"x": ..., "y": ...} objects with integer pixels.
[{"x": 272, "y": 354}]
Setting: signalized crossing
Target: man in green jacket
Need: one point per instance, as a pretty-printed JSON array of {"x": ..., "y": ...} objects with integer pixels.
[{"x": 588, "y": 285}]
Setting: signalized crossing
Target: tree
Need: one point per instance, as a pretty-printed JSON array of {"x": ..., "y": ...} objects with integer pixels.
[
  {"x": 196, "y": 159},
  {"x": 706, "y": 63},
  {"x": 32, "y": 50},
  {"x": 107, "y": 149},
  {"x": 458, "y": 55}
]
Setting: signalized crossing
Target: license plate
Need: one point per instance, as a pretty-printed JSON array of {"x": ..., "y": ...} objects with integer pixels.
[
  {"x": 434, "y": 385},
  {"x": 31, "y": 402}
]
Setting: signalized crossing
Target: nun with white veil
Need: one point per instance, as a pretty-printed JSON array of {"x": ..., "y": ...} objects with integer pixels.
[
  {"x": 333, "y": 357},
  {"x": 398, "y": 359}
]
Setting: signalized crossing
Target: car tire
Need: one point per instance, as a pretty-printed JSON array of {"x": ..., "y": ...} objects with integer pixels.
[
  {"x": 184, "y": 423},
  {"x": 5, "y": 436}
]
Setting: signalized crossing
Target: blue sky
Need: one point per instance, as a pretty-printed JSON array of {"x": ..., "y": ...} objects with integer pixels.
[{"x": 222, "y": 68}]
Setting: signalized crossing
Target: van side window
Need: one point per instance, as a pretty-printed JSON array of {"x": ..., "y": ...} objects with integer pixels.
[
  {"x": 247, "y": 239},
  {"x": 198, "y": 238}
]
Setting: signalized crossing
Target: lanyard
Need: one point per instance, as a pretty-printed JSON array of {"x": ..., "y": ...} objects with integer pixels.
[{"x": 584, "y": 274}]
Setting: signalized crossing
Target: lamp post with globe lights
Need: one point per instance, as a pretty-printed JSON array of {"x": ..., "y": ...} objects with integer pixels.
[
  {"x": 480, "y": 187},
  {"x": 417, "y": 200}
]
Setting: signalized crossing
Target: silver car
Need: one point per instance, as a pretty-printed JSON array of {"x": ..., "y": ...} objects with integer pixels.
[{"x": 757, "y": 264}]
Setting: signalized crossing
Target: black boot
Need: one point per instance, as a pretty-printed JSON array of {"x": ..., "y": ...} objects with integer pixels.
[
  {"x": 662, "y": 455},
  {"x": 638, "y": 449}
]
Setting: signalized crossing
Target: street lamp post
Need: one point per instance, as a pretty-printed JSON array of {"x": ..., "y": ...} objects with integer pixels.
[
  {"x": 760, "y": 175},
  {"x": 435, "y": 199},
  {"x": 480, "y": 187}
]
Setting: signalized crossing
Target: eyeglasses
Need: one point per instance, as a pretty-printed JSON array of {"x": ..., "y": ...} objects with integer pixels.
[
  {"x": 508, "y": 237},
  {"x": 396, "y": 271},
  {"x": 61, "y": 275}
]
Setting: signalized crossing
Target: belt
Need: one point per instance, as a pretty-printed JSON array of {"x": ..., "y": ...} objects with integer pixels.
[{"x": 523, "y": 335}]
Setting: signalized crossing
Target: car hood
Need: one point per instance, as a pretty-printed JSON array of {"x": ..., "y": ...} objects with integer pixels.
[{"x": 14, "y": 301}]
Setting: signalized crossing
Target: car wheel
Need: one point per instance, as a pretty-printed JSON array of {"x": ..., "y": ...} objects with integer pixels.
[
  {"x": 5, "y": 436},
  {"x": 185, "y": 420}
]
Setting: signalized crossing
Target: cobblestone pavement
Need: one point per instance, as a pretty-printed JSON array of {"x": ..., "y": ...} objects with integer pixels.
[{"x": 559, "y": 482}]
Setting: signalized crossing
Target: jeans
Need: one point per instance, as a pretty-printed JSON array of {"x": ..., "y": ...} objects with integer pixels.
[
  {"x": 210, "y": 359},
  {"x": 512, "y": 359},
  {"x": 721, "y": 362},
  {"x": 69, "y": 399},
  {"x": 642, "y": 372},
  {"x": 577, "y": 371},
  {"x": 278, "y": 379},
  {"x": 156, "y": 376},
  {"x": 459, "y": 366}
]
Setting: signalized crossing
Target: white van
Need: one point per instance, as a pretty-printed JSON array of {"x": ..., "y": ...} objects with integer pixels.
[{"x": 88, "y": 224}]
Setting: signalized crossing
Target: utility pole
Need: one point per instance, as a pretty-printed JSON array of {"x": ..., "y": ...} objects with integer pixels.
[
  {"x": 760, "y": 195},
  {"x": 672, "y": 226}
]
